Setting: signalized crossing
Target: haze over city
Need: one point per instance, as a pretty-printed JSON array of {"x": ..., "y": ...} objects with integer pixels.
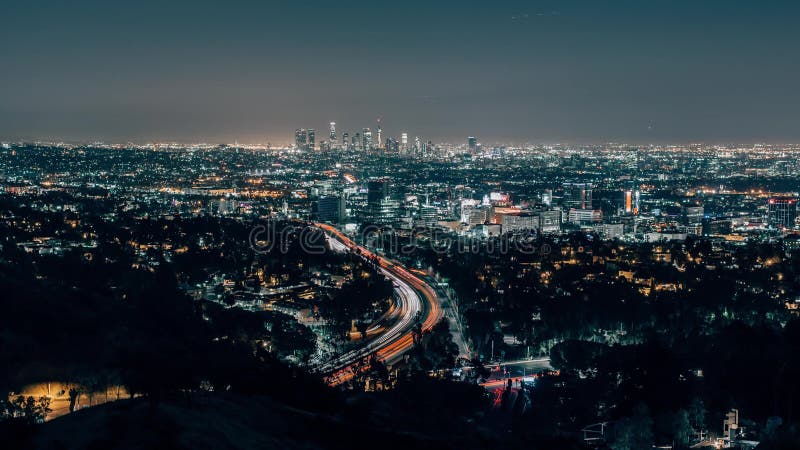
[{"x": 509, "y": 71}]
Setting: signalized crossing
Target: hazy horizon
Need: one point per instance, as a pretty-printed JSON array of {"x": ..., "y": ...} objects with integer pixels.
[{"x": 513, "y": 71}]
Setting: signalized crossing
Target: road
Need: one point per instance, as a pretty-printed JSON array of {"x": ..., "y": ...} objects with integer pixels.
[
  {"x": 516, "y": 370},
  {"x": 415, "y": 300}
]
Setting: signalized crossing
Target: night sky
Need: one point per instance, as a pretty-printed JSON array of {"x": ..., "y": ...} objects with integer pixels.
[{"x": 522, "y": 71}]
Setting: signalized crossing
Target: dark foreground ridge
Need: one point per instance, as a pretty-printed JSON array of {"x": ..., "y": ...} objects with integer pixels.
[{"x": 233, "y": 421}]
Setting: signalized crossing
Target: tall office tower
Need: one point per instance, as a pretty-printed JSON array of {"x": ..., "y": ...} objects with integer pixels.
[
  {"x": 366, "y": 139},
  {"x": 631, "y": 198},
  {"x": 311, "y": 139},
  {"x": 380, "y": 208},
  {"x": 387, "y": 211},
  {"x": 377, "y": 190},
  {"x": 578, "y": 195},
  {"x": 345, "y": 140},
  {"x": 357, "y": 141},
  {"x": 404, "y": 141},
  {"x": 379, "y": 134},
  {"x": 416, "y": 144},
  {"x": 332, "y": 132},
  {"x": 472, "y": 144},
  {"x": 300, "y": 138},
  {"x": 628, "y": 202},
  {"x": 330, "y": 209},
  {"x": 631, "y": 202},
  {"x": 782, "y": 212},
  {"x": 429, "y": 214}
]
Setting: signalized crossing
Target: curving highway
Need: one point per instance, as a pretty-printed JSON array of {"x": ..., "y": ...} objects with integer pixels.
[{"x": 414, "y": 299}]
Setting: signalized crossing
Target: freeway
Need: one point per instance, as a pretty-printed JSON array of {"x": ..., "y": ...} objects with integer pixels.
[{"x": 415, "y": 299}]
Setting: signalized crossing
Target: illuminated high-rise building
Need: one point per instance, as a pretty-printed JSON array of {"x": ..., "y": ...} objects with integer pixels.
[
  {"x": 386, "y": 211},
  {"x": 392, "y": 145},
  {"x": 376, "y": 191},
  {"x": 631, "y": 202},
  {"x": 782, "y": 212},
  {"x": 628, "y": 202},
  {"x": 404, "y": 141},
  {"x": 300, "y": 138},
  {"x": 380, "y": 207},
  {"x": 332, "y": 132},
  {"x": 311, "y": 139},
  {"x": 379, "y": 134},
  {"x": 366, "y": 139},
  {"x": 428, "y": 214},
  {"x": 330, "y": 209},
  {"x": 578, "y": 195},
  {"x": 631, "y": 198},
  {"x": 345, "y": 140},
  {"x": 472, "y": 144}
]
